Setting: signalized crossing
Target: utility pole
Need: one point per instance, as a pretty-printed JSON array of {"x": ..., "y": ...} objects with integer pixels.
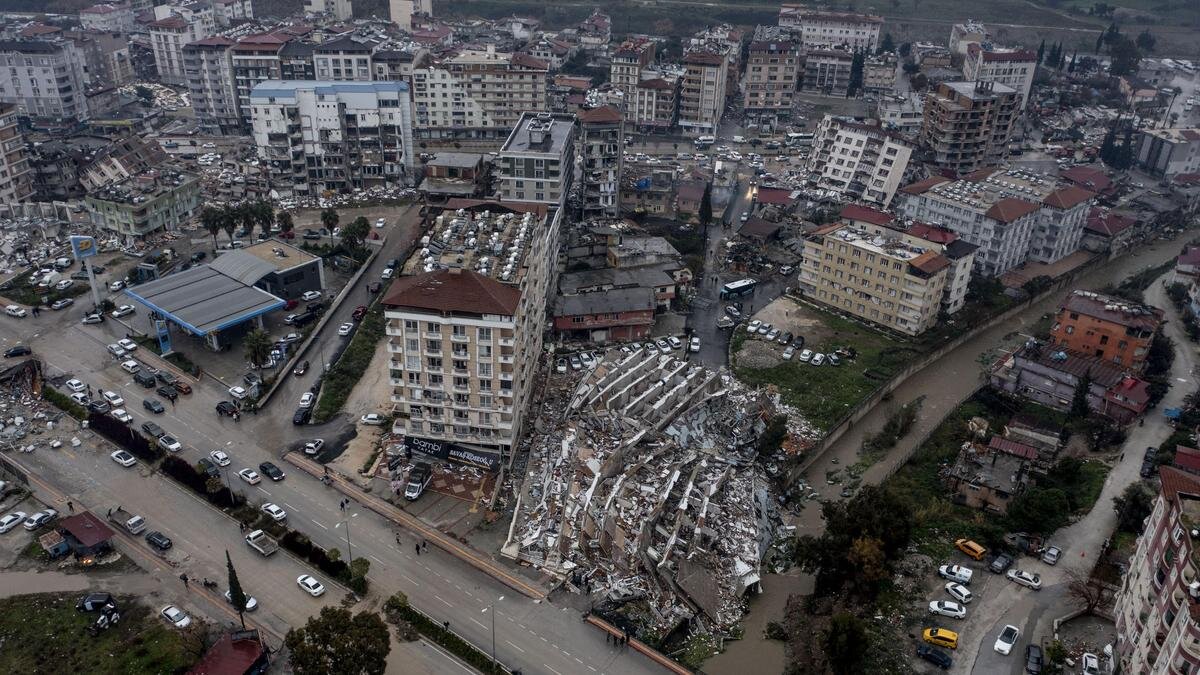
[
  {"x": 346, "y": 521},
  {"x": 492, "y": 607}
]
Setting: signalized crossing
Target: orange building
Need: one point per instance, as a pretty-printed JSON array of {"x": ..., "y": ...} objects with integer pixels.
[{"x": 1110, "y": 328}]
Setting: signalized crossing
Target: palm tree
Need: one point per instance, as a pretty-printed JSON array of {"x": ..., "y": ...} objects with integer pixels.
[
  {"x": 264, "y": 214},
  {"x": 248, "y": 217},
  {"x": 212, "y": 219},
  {"x": 354, "y": 234},
  {"x": 286, "y": 224},
  {"x": 258, "y": 347},
  {"x": 229, "y": 221},
  {"x": 329, "y": 218}
]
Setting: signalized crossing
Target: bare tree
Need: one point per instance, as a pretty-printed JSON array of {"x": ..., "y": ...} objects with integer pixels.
[{"x": 1089, "y": 591}]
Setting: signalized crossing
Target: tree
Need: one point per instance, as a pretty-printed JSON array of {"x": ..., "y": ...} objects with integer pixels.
[
  {"x": 873, "y": 513},
  {"x": 1132, "y": 507},
  {"x": 264, "y": 216},
  {"x": 286, "y": 224},
  {"x": 1089, "y": 591},
  {"x": 247, "y": 217},
  {"x": 905, "y": 49},
  {"x": 236, "y": 595},
  {"x": 354, "y": 234},
  {"x": 1041, "y": 53},
  {"x": 706, "y": 206},
  {"x": 144, "y": 94},
  {"x": 887, "y": 45},
  {"x": 336, "y": 642},
  {"x": 1074, "y": 58},
  {"x": 844, "y": 641},
  {"x": 866, "y": 553},
  {"x": 1039, "y": 510},
  {"x": 329, "y": 219},
  {"x": 229, "y": 221},
  {"x": 1079, "y": 401},
  {"x": 1099, "y": 43},
  {"x": 856, "y": 75},
  {"x": 258, "y": 347},
  {"x": 1125, "y": 57},
  {"x": 212, "y": 219},
  {"x": 1145, "y": 41}
]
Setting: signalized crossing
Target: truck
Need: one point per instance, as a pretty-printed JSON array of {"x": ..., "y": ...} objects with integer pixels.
[
  {"x": 132, "y": 523},
  {"x": 418, "y": 480},
  {"x": 262, "y": 542}
]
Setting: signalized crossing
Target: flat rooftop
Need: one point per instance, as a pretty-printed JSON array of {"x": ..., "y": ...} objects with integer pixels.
[
  {"x": 143, "y": 187},
  {"x": 288, "y": 88},
  {"x": 543, "y": 133},
  {"x": 282, "y": 255},
  {"x": 493, "y": 243},
  {"x": 203, "y": 300}
]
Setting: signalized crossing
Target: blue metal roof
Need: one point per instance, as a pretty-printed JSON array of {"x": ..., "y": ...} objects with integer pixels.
[
  {"x": 287, "y": 88},
  {"x": 203, "y": 300}
]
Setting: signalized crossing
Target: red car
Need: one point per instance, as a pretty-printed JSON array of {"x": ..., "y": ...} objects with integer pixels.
[
  {"x": 288, "y": 235},
  {"x": 291, "y": 304},
  {"x": 359, "y": 312}
]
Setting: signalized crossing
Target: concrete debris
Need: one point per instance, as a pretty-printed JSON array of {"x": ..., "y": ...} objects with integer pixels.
[{"x": 644, "y": 483}]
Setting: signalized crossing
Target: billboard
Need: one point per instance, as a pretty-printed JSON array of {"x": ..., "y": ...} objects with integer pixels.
[
  {"x": 484, "y": 459},
  {"x": 83, "y": 246}
]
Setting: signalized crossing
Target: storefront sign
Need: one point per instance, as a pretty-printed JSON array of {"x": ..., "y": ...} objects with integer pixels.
[{"x": 484, "y": 459}]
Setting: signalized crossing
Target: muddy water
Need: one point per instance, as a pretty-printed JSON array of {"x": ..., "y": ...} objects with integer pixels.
[
  {"x": 21, "y": 583},
  {"x": 753, "y": 653}
]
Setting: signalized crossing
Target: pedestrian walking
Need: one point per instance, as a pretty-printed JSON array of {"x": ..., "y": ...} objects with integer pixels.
[
  {"x": 172, "y": 402},
  {"x": 397, "y": 539},
  {"x": 418, "y": 547},
  {"x": 184, "y": 577},
  {"x": 70, "y": 506},
  {"x": 425, "y": 544},
  {"x": 607, "y": 639}
]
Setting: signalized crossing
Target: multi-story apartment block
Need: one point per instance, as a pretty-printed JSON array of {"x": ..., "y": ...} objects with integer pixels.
[
  {"x": 464, "y": 330},
  {"x": 401, "y": 12},
  {"x": 1013, "y": 216},
  {"x": 343, "y": 60},
  {"x": 476, "y": 93},
  {"x": 967, "y": 124},
  {"x": 1013, "y": 68},
  {"x": 1106, "y": 327},
  {"x": 175, "y": 26},
  {"x": 336, "y": 136},
  {"x": 702, "y": 92},
  {"x": 16, "y": 174},
  {"x": 255, "y": 59},
  {"x": 884, "y": 276},
  {"x": 655, "y": 106},
  {"x": 106, "y": 57},
  {"x": 816, "y": 28},
  {"x": 209, "y": 72},
  {"x": 860, "y": 161},
  {"x": 962, "y": 35},
  {"x": 227, "y": 11},
  {"x": 827, "y": 71},
  {"x": 772, "y": 69},
  {"x": 153, "y": 202},
  {"x": 107, "y": 18},
  {"x": 1158, "y": 604},
  {"x": 601, "y": 146},
  {"x": 44, "y": 78},
  {"x": 537, "y": 162},
  {"x": 879, "y": 74},
  {"x": 1169, "y": 152},
  {"x": 341, "y": 10},
  {"x": 595, "y": 32},
  {"x": 903, "y": 114},
  {"x": 627, "y": 63},
  {"x": 296, "y": 62}
]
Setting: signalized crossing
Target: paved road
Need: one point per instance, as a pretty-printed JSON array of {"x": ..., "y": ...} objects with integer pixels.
[{"x": 535, "y": 636}]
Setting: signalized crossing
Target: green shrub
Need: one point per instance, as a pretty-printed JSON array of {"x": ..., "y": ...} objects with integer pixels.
[
  {"x": 396, "y": 608},
  {"x": 340, "y": 381},
  {"x": 63, "y": 402}
]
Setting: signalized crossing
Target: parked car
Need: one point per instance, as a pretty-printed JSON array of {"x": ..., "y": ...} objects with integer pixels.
[
  {"x": 1008, "y": 637},
  {"x": 19, "y": 350},
  {"x": 345, "y": 329},
  {"x": 12, "y": 520},
  {"x": 226, "y": 408},
  {"x": 123, "y": 458},
  {"x": 122, "y": 416},
  {"x": 959, "y": 592},
  {"x": 75, "y": 385},
  {"x": 576, "y": 362},
  {"x": 1051, "y": 555},
  {"x": 1089, "y": 664},
  {"x": 947, "y": 608},
  {"x": 1028, "y": 579},
  {"x": 271, "y": 471},
  {"x": 935, "y": 656},
  {"x": 251, "y": 602},
  {"x": 817, "y": 359},
  {"x": 250, "y": 476},
  {"x": 956, "y": 573},
  {"x": 153, "y": 430},
  {"x": 675, "y": 342},
  {"x": 238, "y": 393},
  {"x": 127, "y": 344},
  {"x": 123, "y": 310},
  {"x": 158, "y": 540},
  {"x": 113, "y": 398},
  {"x": 92, "y": 318},
  {"x": 310, "y": 585},
  {"x": 301, "y": 416},
  {"x": 587, "y": 358},
  {"x": 175, "y": 616},
  {"x": 40, "y": 519},
  {"x": 314, "y": 446},
  {"x": 806, "y": 355},
  {"x": 1034, "y": 659},
  {"x": 306, "y": 399},
  {"x": 940, "y": 637},
  {"x": 753, "y": 326},
  {"x": 219, "y": 457},
  {"x": 560, "y": 366},
  {"x": 277, "y": 514},
  {"x": 694, "y": 345},
  {"x": 1000, "y": 563},
  {"x": 309, "y": 296},
  {"x": 168, "y": 392},
  {"x": 372, "y": 419},
  {"x": 169, "y": 443}
]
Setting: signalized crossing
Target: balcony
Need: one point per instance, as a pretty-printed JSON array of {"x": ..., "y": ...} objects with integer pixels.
[
  {"x": 457, "y": 337},
  {"x": 506, "y": 358},
  {"x": 507, "y": 342}
]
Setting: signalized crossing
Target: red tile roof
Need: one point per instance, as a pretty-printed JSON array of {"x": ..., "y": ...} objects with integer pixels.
[
  {"x": 454, "y": 291},
  {"x": 1175, "y": 482},
  {"x": 1113, "y": 310},
  {"x": 227, "y": 657},
  {"x": 938, "y": 235},
  {"x": 1012, "y": 447},
  {"x": 87, "y": 528},
  {"x": 866, "y": 214},
  {"x": 523, "y": 59},
  {"x": 1088, "y": 178},
  {"x": 1009, "y": 209},
  {"x": 930, "y": 262},
  {"x": 655, "y": 83},
  {"x": 776, "y": 196},
  {"x": 605, "y": 114},
  {"x": 704, "y": 58},
  {"x": 1067, "y": 197},
  {"x": 1187, "y": 458},
  {"x": 1108, "y": 223},
  {"x": 173, "y": 22},
  {"x": 923, "y": 186}
]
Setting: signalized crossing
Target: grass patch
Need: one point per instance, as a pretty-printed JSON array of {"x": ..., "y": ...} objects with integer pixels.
[
  {"x": 35, "y": 552},
  {"x": 64, "y": 403},
  {"x": 20, "y": 291},
  {"x": 699, "y": 648},
  {"x": 397, "y": 610},
  {"x": 349, "y": 369},
  {"x": 825, "y": 394},
  {"x": 43, "y": 633}
]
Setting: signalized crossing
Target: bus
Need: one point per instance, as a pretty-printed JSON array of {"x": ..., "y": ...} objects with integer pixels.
[
  {"x": 737, "y": 289},
  {"x": 702, "y": 142},
  {"x": 799, "y": 139}
]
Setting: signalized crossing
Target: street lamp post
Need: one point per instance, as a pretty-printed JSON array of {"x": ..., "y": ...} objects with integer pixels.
[
  {"x": 346, "y": 521},
  {"x": 492, "y": 606}
]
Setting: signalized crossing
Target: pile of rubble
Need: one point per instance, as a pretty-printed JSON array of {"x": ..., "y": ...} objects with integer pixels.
[
  {"x": 358, "y": 197},
  {"x": 647, "y": 488},
  {"x": 26, "y": 421}
]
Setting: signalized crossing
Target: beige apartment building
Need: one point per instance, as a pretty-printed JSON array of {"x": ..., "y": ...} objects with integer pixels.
[
  {"x": 702, "y": 94},
  {"x": 772, "y": 67},
  {"x": 16, "y": 177},
  {"x": 967, "y": 124},
  {"x": 476, "y": 93},
  {"x": 884, "y": 276},
  {"x": 817, "y": 28},
  {"x": 863, "y": 162},
  {"x": 628, "y": 61}
]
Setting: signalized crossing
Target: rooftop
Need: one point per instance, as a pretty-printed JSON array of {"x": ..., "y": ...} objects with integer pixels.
[
  {"x": 461, "y": 160},
  {"x": 1114, "y": 310},
  {"x": 540, "y": 133},
  {"x": 203, "y": 299},
  {"x": 1175, "y": 135},
  {"x": 288, "y": 88},
  {"x": 866, "y": 214},
  {"x": 86, "y": 528},
  {"x": 144, "y": 187},
  {"x": 1003, "y": 195},
  {"x": 1108, "y": 223},
  {"x": 453, "y": 291},
  {"x": 606, "y": 302},
  {"x": 920, "y": 257},
  {"x": 489, "y": 239},
  {"x": 280, "y": 255}
]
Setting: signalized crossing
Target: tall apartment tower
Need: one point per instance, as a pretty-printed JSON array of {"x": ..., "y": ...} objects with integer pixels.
[
  {"x": 209, "y": 73},
  {"x": 1013, "y": 68},
  {"x": 174, "y": 27},
  {"x": 702, "y": 95},
  {"x": 772, "y": 67},
  {"x": 16, "y": 176},
  {"x": 601, "y": 141},
  {"x": 44, "y": 79},
  {"x": 537, "y": 162},
  {"x": 967, "y": 124},
  {"x": 627, "y": 63}
]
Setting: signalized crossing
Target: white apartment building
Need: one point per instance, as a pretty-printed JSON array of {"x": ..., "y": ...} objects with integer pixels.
[
  {"x": 1169, "y": 152},
  {"x": 228, "y": 11},
  {"x": 107, "y": 18},
  {"x": 1013, "y": 68},
  {"x": 255, "y": 59},
  {"x": 860, "y": 161},
  {"x": 476, "y": 93},
  {"x": 628, "y": 60},
  {"x": 401, "y": 12},
  {"x": 1013, "y": 216},
  {"x": 655, "y": 105},
  {"x": 16, "y": 176},
  {"x": 337, "y": 136},
  {"x": 44, "y": 79},
  {"x": 817, "y": 28},
  {"x": 464, "y": 330},
  {"x": 702, "y": 93},
  {"x": 174, "y": 27},
  {"x": 537, "y": 162},
  {"x": 209, "y": 72},
  {"x": 341, "y": 10},
  {"x": 343, "y": 60},
  {"x": 601, "y": 146}
]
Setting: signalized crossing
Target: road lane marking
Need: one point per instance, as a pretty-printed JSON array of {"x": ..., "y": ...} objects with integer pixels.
[
  {"x": 443, "y": 601},
  {"x": 290, "y": 506},
  {"x": 547, "y": 665},
  {"x": 319, "y": 525},
  {"x": 408, "y": 579},
  {"x": 377, "y": 560},
  {"x": 510, "y": 644},
  {"x": 590, "y": 668},
  {"x": 478, "y": 624},
  {"x": 263, "y": 491}
]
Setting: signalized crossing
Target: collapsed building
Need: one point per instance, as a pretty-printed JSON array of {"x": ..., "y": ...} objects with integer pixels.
[{"x": 647, "y": 490}]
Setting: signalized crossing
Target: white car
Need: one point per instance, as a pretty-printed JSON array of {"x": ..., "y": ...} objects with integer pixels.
[
  {"x": 250, "y": 476},
  {"x": 959, "y": 592},
  {"x": 11, "y": 520},
  {"x": 176, "y": 617},
  {"x": 345, "y": 329},
  {"x": 14, "y": 310},
  {"x": 380, "y": 222},
  {"x": 64, "y": 284},
  {"x": 788, "y": 353},
  {"x": 76, "y": 386},
  {"x": 306, "y": 399},
  {"x": 237, "y": 392},
  {"x": 131, "y": 366},
  {"x": 694, "y": 345},
  {"x": 115, "y": 350},
  {"x": 277, "y": 514},
  {"x": 123, "y": 458},
  {"x": 251, "y": 603},
  {"x": 121, "y": 415},
  {"x": 675, "y": 342},
  {"x": 39, "y": 519},
  {"x": 752, "y": 327},
  {"x": 817, "y": 359},
  {"x": 168, "y": 443},
  {"x": 127, "y": 344},
  {"x": 956, "y": 573},
  {"x": 114, "y": 399},
  {"x": 373, "y": 419},
  {"x": 806, "y": 355},
  {"x": 116, "y": 286},
  {"x": 1008, "y": 639},
  {"x": 123, "y": 310},
  {"x": 1090, "y": 664},
  {"x": 1028, "y": 579},
  {"x": 314, "y": 446},
  {"x": 310, "y": 585},
  {"x": 309, "y": 296},
  {"x": 219, "y": 457},
  {"x": 80, "y": 398},
  {"x": 947, "y": 608}
]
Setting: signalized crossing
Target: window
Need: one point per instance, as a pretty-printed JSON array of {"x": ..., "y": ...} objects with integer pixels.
[
  {"x": 433, "y": 345},
  {"x": 412, "y": 362},
  {"x": 410, "y": 325},
  {"x": 485, "y": 370},
  {"x": 412, "y": 345}
]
